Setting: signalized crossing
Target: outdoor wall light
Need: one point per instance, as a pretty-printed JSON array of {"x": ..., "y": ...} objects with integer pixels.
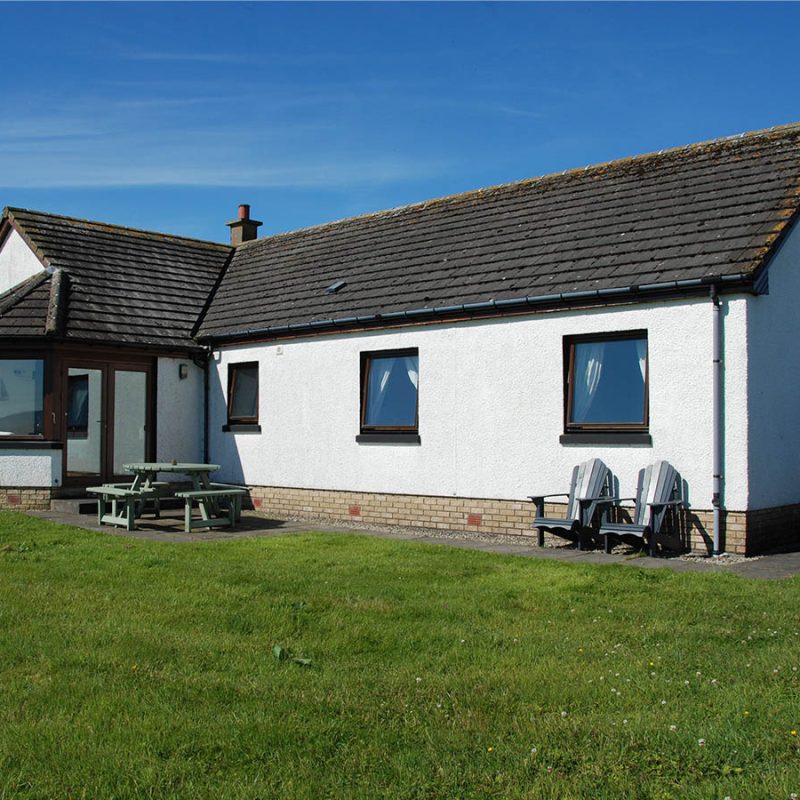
[{"x": 183, "y": 371}]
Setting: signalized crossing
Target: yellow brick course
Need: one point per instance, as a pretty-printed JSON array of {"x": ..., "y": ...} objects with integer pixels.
[
  {"x": 745, "y": 532},
  {"x": 25, "y": 499}
]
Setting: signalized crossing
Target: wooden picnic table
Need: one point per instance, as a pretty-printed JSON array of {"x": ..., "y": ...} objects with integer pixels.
[
  {"x": 144, "y": 474},
  {"x": 206, "y": 494},
  {"x": 145, "y": 485}
]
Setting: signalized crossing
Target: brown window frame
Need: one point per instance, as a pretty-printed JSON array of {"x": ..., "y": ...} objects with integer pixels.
[
  {"x": 569, "y": 343},
  {"x": 366, "y": 365},
  {"x": 232, "y": 370}
]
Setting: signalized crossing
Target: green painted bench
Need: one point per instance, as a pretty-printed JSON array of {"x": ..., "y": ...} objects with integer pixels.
[
  {"x": 208, "y": 500},
  {"x": 122, "y": 495},
  {"x": 162, "y": 490},
  {"x": 241, "y": 491}
]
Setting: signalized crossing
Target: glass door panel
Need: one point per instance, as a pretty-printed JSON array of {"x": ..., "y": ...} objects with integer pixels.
[
  {"x": 84, "y": 422},
  {"x": 130, "y": 418}
]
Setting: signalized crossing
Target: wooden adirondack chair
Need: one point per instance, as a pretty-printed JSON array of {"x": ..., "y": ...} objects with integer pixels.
[
  {"x": 659, "y": 488},
  {"x": 589, "y": 488}
]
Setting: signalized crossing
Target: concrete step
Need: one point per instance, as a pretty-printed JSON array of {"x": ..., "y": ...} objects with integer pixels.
[
  {"x": 74, "y": 505},
  {"x": 88, "y": 505}
]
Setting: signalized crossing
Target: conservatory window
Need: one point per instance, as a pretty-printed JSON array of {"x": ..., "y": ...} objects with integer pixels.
[{"x": 21, "y": 396}]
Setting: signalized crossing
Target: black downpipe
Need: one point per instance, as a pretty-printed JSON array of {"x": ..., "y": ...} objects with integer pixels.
[{"x": 206, "y": 413}]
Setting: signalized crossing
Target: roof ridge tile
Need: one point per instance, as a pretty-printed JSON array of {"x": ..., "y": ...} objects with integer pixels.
[
  {"x": 721, "y": 142},
  {"x": 111, "y": 227}
]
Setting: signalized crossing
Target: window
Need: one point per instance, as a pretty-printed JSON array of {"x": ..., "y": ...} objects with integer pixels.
[
  {"x": 606, "y": 382},
  {"x": 389, "y": 383},
  {"x": 243, "y": 394},
  {"x": 78, "y": 407},
  {"x": 21, "y": 397}
]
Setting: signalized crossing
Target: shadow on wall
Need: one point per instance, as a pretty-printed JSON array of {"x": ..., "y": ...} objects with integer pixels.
[
  {"x": 223, "y": 446},
  {"x": 679, "y": 528}
]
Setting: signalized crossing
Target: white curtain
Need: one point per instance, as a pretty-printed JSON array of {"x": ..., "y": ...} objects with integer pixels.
[
  {"x": 587, "y": 371},
  {"x": 381, "y": 371},
  {"x": 412, "y": 370},
  {"x": 641, "y": 354}
]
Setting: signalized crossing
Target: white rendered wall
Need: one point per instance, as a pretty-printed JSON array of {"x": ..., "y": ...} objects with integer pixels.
[
  {"x": 17, "y": 262},
  {"x": 774, "y": 385},
  {"x": 490, "y": 407},
  {"x": 180, "y": 413},
  {"x": 28, "y": 468}
]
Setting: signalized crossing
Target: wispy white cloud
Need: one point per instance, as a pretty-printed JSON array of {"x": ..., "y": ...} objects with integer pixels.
[
  {"x": 513, "y": 111},
  {"x": 193, "y": 57},
  {"x": 164, "y": 130},
  {"x": 145, "y": 103},
  {"x": 222, "y": 58},
  {"x": 31, "y": 129},
  {"x": 71, "y": 151},
  {"x": 338, "y": 172}
]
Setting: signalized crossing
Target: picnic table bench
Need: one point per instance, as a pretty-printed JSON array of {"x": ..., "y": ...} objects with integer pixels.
[
  {"x": 131, "y": 502},
  {"x": 162, "y": 490},
  {"x": 209, "y": 499}
]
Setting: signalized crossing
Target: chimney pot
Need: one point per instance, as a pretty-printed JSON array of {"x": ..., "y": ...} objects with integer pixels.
[{"x": 243, "y": 229}]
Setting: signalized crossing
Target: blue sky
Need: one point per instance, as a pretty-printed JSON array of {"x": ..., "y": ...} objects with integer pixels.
[{"x": 166, "y": 116}]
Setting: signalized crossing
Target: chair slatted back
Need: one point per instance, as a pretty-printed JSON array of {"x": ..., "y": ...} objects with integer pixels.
[
  {"x": 590, "y": 479},
  {"x": 658, "y": 483}
]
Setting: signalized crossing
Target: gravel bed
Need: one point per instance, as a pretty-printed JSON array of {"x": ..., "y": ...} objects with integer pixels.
[{"x": 722, "y": 560}]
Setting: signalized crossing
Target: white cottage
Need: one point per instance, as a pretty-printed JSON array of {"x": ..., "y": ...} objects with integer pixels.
[{"x": 432, "y": 365}]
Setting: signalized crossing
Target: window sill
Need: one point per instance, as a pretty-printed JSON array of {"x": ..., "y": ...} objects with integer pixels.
[
  {"x": 7, "y": 443},
  {"x": 607, "y": 437},
  {"x": 388, "y": 438},
  {"x": 242, "y": 427}
]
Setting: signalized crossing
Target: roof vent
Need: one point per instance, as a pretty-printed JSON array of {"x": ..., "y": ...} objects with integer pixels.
[{"x": 334, "y": 287}]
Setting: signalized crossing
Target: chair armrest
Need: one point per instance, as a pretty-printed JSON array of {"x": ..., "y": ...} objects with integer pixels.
[
  {"x": 589, "y": 505},
  {"x": 658, "y": 512},
  {"x": 536, "y": 497},
  {"x": 538, "y": 501},
  {"x": 666, "y": 503},
  {"x": 601, "y": 500}
]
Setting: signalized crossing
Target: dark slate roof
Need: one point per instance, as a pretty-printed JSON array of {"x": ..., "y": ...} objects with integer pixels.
[
  {"x": 24, "y": 309},
  {"x": 125, "y": 286},
  {"x": 711, "y": 210}
]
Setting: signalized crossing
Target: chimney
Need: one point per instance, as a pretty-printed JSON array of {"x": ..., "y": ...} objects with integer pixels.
[{"x": 243, "y": 229}]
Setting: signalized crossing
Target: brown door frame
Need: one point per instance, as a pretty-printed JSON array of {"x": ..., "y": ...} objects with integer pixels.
[{"x": 108, "y": 368}]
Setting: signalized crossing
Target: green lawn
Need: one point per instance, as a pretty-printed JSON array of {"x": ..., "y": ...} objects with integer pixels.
[{"x": 148, "y": 670}]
